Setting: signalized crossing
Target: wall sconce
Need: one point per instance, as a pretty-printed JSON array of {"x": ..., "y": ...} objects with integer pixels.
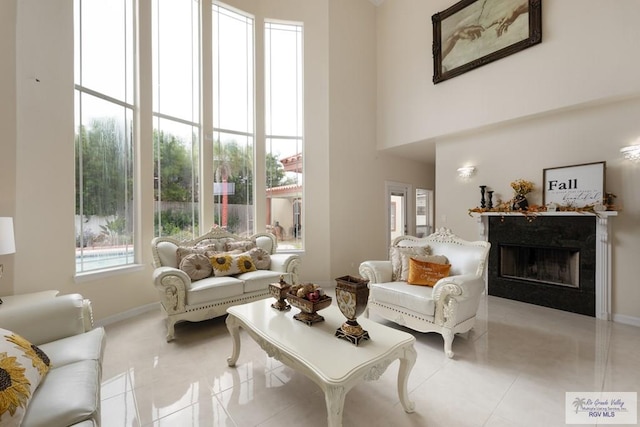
[
  {"x": 631, "y": 152},
  {"x": 7, "y": 240},
  {"x": 466, "y": 171}
]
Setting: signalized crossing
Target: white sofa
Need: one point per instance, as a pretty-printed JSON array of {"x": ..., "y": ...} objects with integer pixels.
[
  {"x": 62, "y": 328},
  {"x": 184, "y": 299},
  {"x": 450, "y": 306}
]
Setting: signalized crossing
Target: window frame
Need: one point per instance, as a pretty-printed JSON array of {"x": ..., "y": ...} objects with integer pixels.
[
  {"x": 218, "y": 128},
  {"x": 195, "y": 121},
  {"x": 130, "y": 107},
  {"x": 297, "y": 201}
]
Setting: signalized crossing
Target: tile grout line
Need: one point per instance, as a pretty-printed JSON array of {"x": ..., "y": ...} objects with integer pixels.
[{"x": 504, "y": 395}]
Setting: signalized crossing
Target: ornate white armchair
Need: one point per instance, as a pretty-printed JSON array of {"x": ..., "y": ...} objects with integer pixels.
[
  {"x": 450, "y": 306},
  {"x": 191, "y": 290}
]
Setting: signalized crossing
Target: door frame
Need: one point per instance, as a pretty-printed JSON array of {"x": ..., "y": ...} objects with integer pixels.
[{"x": 409, "y": 206}]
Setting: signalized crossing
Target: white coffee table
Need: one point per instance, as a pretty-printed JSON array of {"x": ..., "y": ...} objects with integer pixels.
[{"x": 335, "y": 365}]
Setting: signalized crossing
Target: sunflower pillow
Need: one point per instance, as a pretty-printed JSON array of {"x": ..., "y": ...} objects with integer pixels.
[
  {"x": 228, "y": 264},
  {"x": 22, "y": 367}
]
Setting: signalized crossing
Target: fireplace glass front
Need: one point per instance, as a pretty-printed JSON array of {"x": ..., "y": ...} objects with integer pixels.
[{"x": 555, "y": 266}]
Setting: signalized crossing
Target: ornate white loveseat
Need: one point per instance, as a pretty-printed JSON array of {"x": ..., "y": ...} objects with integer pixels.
[
  {"x": 188, "y": 293},
  {"x": 450, "y": 306}
]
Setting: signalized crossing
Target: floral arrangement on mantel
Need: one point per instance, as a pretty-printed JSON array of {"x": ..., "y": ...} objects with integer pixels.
[{"x": 523, "y": 187}]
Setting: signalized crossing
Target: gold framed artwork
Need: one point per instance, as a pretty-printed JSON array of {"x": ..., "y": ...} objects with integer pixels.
[{"x": 472, "y": 33}]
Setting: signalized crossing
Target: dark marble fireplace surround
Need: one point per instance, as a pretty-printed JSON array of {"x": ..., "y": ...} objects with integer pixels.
[{"x": 575, "y": 233}]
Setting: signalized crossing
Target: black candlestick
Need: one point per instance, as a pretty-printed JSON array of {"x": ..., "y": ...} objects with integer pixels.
[
  {"x": 482, "y": 201},
  {"x": 490, "y": 195}
]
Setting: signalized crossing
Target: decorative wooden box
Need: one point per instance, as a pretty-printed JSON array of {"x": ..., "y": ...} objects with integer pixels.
[{"x": 308, "y": 309}]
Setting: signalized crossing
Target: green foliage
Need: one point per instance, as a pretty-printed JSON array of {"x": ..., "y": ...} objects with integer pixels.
[
  {"x": 114, "y": 227},
  {"x": 104, "y": 168},
  {"x": 104, "y": 177},
  {"x": 275, "y": 171},
  {"x": 173, "y": 169},
  {"x": 178, "y": 224}
]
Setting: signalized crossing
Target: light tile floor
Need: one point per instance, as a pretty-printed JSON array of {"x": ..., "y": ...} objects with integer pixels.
[{"x": 512, "y": 369}]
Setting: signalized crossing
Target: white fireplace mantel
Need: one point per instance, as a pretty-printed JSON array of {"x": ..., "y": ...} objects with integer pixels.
[{"x": 603, "y": 251}]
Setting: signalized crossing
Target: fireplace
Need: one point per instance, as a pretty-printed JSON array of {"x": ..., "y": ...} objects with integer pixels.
[
  {"x": 544, "y": 260},
  {"x": 583, "y": 245},
  {"x": 552, "y": 266}
]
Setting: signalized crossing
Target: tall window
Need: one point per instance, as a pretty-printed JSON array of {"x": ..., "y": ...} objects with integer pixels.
[
  {"x": 176, "y": 117},
  {"x": 104, "y": 94},
  {"x": 284, "y": 131},
  {"x": 233, "y": 120}
]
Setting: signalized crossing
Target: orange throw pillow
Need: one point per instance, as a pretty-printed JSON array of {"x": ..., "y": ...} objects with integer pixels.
[{"x": 426, "y": 273}]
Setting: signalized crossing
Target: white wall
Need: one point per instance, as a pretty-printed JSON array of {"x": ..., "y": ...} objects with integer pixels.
[
  {"x": 574, "y": 98},
  {"x": 8, "y": 125},
  {"x": 357, "y": 171}
]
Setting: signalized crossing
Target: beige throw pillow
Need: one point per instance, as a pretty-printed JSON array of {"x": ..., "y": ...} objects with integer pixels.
[
  {"x": 261, "y": 258},
  {"x": 183, "y": 251},
  {"x": 399, "y": 256},
  {"x": 241, "y": 245},
  {"x": 197, "y": 266}
]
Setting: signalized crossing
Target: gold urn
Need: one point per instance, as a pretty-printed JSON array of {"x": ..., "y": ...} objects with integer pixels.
[{"x": 352, "y": 295}]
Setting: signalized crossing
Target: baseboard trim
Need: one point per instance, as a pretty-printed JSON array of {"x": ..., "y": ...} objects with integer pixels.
[
  {"x": 128, "y": 314},
  {"x": 627, "y": 320}
]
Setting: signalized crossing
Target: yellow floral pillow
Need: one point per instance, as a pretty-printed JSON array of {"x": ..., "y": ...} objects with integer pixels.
[
  {"x": 227, "y": 264},
  {"x": 22, "y": 367}
]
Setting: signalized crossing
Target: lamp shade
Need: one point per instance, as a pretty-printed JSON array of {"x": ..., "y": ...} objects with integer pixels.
[{"x": 7, "y": 240}]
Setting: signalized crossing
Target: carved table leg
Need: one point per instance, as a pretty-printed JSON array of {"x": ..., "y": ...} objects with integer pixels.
[
  {"x": 234, "y": 330},
  {"x": 334, "y": 398},
  {"x": 406, "y": 364}
]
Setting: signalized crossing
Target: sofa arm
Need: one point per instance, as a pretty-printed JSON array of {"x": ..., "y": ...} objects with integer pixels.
[
  {"x": 87, "y": 316},
  {"x": 172, "y": 284},
  {"x": 286, "y": 263},
  {"x": 471, "y": 285},
  {"x": 376, "y": 271},
  {"x": 457, "y": 298},
  {"x": 47, "y": 320}
]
